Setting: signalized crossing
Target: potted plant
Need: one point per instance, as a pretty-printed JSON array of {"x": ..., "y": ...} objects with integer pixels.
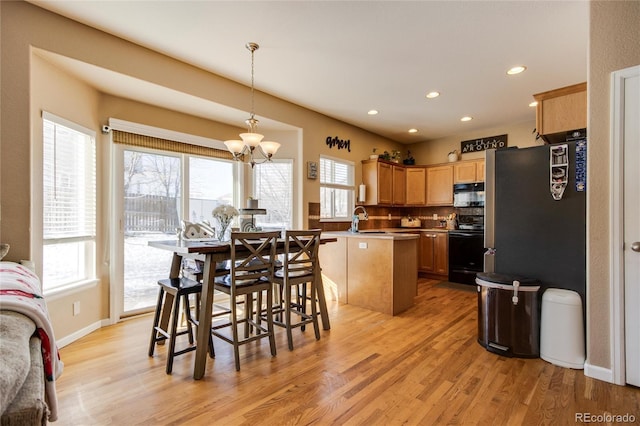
[
  {"x": 395, "y": 156},
  {"x": 373, "y": 155},
  {"x": 385, "y": 156},
  {"x": 453, "y": 156},
  {"x": 409, "y": 160}
]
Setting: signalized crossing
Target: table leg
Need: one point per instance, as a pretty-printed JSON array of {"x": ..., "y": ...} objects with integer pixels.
[
  {"x": 204, "y": 323},
  {"x": 322, "y": 301}
]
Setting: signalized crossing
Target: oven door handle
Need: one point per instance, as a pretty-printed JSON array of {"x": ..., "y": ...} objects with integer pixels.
[{"x": 461, "y": 234}]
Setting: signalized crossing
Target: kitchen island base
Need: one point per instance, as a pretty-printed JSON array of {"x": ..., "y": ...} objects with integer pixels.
[{"x": 373, "y": 271}]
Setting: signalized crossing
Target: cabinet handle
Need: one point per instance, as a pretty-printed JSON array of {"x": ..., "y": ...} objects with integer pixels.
[{"x": 635, "y": 246}]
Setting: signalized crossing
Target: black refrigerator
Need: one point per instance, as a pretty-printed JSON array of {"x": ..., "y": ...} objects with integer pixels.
[{"x": 529, "y": 232}]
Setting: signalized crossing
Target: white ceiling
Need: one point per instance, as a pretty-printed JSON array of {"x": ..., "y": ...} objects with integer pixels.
[{"x": 343, "y": 58}]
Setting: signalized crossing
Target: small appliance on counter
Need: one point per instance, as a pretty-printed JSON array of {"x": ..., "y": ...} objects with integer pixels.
[{"x": 410, "y": 222}]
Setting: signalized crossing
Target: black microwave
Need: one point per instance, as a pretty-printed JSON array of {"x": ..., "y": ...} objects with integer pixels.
[{"x": 468, "y": 194}]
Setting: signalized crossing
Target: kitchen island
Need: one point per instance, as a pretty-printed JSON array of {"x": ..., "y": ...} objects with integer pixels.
[{"x": 372, "y": 269}]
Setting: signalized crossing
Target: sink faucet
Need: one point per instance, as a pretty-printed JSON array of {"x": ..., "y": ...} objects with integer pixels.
[{"x": 356, "y": 219}]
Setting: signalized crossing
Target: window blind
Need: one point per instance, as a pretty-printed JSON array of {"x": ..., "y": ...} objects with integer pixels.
[
  {"x": 69, "y": 181},
  {"x": 151, "y": 142}
]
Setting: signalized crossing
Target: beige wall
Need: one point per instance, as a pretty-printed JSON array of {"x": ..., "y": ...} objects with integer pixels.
[
  {"x": 614, "y": 44},
  {"x": 434, "y": 152}
]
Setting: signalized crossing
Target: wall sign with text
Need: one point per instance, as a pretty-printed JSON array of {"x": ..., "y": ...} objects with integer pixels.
[
  {"x": 481, "y": 144},
  {"x": 337, "y": 142}
]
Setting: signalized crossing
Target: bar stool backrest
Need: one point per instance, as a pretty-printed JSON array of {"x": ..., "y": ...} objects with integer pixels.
[
  {"x": 252, "y": 256},
  {"x": 301, "y": 248}
]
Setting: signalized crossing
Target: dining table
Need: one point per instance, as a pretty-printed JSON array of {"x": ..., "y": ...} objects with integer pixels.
[{"x": 214, "y": 252}]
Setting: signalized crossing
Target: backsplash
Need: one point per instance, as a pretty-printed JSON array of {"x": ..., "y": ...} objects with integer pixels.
[{"x": 382, "y": 217}]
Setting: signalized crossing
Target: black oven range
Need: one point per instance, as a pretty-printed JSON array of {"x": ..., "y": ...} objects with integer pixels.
[{"x": 466, "y": 247}]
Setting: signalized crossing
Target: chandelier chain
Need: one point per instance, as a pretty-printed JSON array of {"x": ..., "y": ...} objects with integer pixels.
[{"x": 252, "y": 72}]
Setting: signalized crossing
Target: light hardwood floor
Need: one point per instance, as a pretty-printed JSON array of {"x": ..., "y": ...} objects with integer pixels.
[{"x": 422, "y": 367}]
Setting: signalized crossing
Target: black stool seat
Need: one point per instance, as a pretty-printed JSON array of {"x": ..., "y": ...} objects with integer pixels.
[{"x": 179, "y": 289}]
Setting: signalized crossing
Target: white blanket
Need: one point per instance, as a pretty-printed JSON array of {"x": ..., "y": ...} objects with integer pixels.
[{"x": 20, "y": 292}]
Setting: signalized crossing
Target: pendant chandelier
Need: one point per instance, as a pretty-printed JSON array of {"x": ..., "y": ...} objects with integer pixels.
[{"x": 252, "y": 140}]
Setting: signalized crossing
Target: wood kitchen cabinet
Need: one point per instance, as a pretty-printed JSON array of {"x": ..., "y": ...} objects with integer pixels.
[
  {"x": 480, "y": 170},
  {"x": 416, "y": 186},
  {"x": 386, "y": 183},
  {"x": 378, "y": 177},
  {"x": 561, "y": 110},
  {"x": 468, "y": 171},
  {"x": 433, "y": 253},
  {"x": 399, "y": 193},
  {"x": 440, "y": 185}
]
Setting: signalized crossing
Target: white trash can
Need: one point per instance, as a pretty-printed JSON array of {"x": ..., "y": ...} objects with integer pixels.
[{"x": 562, "y": 329}]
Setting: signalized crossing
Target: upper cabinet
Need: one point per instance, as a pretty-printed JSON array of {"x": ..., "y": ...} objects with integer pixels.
[
  {"x": 396, "y": 185},
  {"x": 440, "y": 185},
  {"x": 399, "y": 195},
  {"x": 378, "y": 177},
  {"x": 468, "y": 171},
  {"x": 385, "y": 183},
  {"x": 416, "y": 186},
  {"x": 561, "y": 110}
]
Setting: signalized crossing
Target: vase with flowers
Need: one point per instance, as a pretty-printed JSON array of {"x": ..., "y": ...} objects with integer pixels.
[{"x": 224, "y": 214}]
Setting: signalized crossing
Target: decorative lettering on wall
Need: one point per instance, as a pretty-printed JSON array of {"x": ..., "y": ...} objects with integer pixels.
[
  {"x": 340, "y": 143},
  {"x": 490, "y": 142}
]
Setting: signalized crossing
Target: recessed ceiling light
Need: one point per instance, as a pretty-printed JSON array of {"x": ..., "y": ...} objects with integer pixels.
[
  {"x": 466, "y": 118},
  {"x": 516, "y": 70},
  {"x": 534, "y": 103},
  {"x": 373, "y": 112},
  {"x": 413, "y": 130},
  {"x": 432, "y": 95}
]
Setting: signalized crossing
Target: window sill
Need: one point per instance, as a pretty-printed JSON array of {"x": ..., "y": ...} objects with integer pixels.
[{"x": 66, "y": 290}]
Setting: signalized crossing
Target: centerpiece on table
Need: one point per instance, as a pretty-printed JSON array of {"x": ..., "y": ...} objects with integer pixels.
[{"x": 224, "y": 214}]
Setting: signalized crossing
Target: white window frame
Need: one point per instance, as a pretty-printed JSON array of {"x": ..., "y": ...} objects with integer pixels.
[
  {"x": 39, "y": 241},
  {"x": 291, "y": 189},
  {"x": 349, "y": 187}
]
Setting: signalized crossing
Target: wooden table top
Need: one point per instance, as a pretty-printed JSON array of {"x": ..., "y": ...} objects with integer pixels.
[{"x": 208, "y": 246}]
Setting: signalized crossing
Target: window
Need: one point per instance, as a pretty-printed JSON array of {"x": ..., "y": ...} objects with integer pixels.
[
  {"x": 69, "y": 203},
  {"x": 273, "y": 186},
  {"x": 211, "y": 183},
  {"x": 336, "y": 188}
]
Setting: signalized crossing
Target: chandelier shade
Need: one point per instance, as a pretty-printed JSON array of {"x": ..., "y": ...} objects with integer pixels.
[
  {"x": 252, "y": 140},
  {"x": 269, "y": 147}
]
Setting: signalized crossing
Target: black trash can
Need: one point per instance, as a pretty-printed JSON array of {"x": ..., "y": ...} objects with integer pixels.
[{"x": 508, "y": 315}]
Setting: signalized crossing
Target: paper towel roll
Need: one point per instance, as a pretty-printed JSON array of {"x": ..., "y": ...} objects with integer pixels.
[{"x": 362, "y": 193}]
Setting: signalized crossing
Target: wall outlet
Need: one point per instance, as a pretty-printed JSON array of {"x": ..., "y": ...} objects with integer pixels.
[
  {"x": 362, "y": 245},
  {"x": 76, "y": 308},
  {"x": 435, "y": 216}
]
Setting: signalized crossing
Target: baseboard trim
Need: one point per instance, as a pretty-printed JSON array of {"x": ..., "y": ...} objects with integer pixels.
[
  {"x": 66, "y": 340},
  {"x": 600, "y": 373}
]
